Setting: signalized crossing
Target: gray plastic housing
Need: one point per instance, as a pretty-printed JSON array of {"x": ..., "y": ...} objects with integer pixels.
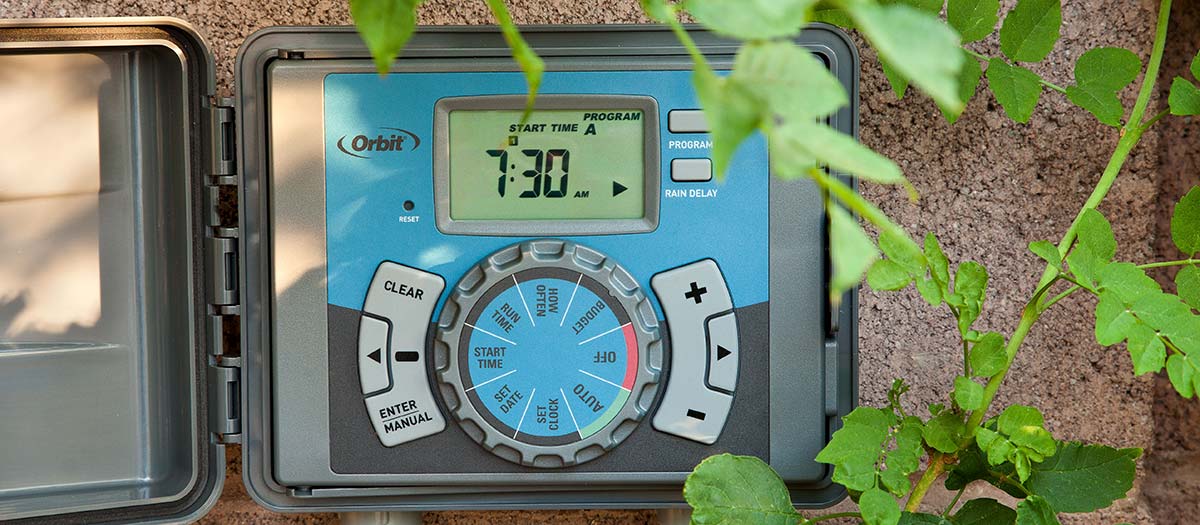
[
  {"x": 797, "y": 232},
  {"x": 155, "y": 395},
  {"x": 104, "y": 319}
]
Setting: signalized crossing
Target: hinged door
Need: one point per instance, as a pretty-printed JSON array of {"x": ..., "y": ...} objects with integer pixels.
[{"x": 107, "y": 348}]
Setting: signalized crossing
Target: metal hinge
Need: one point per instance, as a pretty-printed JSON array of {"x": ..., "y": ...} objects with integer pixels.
[{"x": 223, "y": 319}]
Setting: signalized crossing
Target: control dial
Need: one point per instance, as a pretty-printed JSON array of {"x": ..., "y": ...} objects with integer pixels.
[{"x": 548, "y": 353}]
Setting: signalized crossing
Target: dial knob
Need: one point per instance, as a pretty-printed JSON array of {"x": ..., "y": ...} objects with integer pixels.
[{"x": 548, "y": 353}]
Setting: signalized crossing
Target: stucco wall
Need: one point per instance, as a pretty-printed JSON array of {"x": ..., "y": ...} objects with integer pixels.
[{"x": 988, "y": 186}]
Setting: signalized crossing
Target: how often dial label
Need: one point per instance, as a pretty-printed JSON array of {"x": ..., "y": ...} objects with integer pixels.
[{"x": 549, "y": 355}]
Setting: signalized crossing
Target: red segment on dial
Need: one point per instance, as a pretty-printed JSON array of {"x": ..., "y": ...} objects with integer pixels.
[{"x": 631, "y": 356}]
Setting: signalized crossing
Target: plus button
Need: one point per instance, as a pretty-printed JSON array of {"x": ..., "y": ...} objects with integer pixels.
[{"x": 696, "y": 293}]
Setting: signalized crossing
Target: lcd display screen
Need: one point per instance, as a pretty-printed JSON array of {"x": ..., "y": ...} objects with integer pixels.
[{"x": 561, "y": 164}]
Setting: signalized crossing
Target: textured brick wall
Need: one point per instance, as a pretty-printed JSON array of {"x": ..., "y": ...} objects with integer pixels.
[{"x": 988, "y": 187}]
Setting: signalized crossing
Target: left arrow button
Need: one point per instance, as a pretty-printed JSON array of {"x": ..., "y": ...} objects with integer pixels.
[{"x": 373, "y": 369}]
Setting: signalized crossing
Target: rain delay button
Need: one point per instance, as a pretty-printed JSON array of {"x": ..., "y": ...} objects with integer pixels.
[{"x": 391, "y": 340}]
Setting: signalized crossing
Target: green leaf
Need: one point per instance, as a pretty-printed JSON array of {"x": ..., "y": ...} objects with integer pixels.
[
  {"x": 1024, "y": 427},
  {"x": 878, "y": 508},
  {"x": 973, "y": 465},
  {"x": 984, "y": 511},
  {"x": 1184, "y": 97},
  {"x": 904, "y": 458},
  {"x": 1019, "y": 438},
  {"x": 1084, "y": 478},
  {"x": 854, "y": 448},
  {"x": 803, "y": 140},
  {"x": 1114, "y": 319},
  {"x": 1164, "y": 312},
  {"x": 920, "y": 518},
  {"x": 968, "y": 82},
  {"x": 1127, "y": 281},
  {"x": 1030, "y": 30},
  {"x": 659, "y": 11},
  {"x": 1034, "y": 510},
  {"x": 1017, "y": 89},
  {"x": 732, "y": 112},
  {"x": 1148, "y": 354},
  {"x": 970, "y": 282},
  {"x": 973, "y": 19},
  {"x": 1094, "y": 249},
  {"x": 752, "y": 19},
  {"x": 895, "y": 79},
  {"x": 887, "y": 275},
  {"x": 968, "y": 395},
  {"x": 857, "y": 449},
  {"x": 851, "y": 251},
  {"x": 1047, "y": 251},
  {"x": 1187, "y": 285},
  {"x": 788, "y": 79},
  {"x": 1185, "y": 223},
  {"x": 988, "y": 357},
  {"x": 1096, "y": 234},
  {"x": 944, "y": 431},
  {"x": 933, "y": 7},
  {"x": 832, "y": 16},
  {"x": 930, "y": 291},
  {"x": 915, "y": 44},
  {"x": 1195, "y": 68},
  {"x": 1182, "y": 375},
  {"x": 531, "y": 64},
  {"x": 385, "y": 26},
  {"x": 939, "y": 265},
  {"x": 1099, "y": 74},
  {"x": 738, "y": 489},
  {"x": 899, "y": 248}
]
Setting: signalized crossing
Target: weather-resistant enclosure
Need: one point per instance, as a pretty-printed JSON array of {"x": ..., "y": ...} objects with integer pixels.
[{"x": 441, "y": 303}]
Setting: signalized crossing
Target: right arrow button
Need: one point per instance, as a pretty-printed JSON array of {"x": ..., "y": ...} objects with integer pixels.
[
  {"x": 723, "y": 352},
  {"x": 618, "y": 188}
]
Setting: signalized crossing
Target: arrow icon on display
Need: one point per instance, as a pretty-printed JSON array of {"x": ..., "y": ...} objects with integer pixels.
[
  {"x": 618, "y": 188},
  {"x": 375, "y": 355},
  {"x": 722, "y": 352}
]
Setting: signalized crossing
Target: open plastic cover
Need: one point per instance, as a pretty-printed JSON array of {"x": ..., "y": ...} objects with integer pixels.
[{"x": 102, "y": 362}]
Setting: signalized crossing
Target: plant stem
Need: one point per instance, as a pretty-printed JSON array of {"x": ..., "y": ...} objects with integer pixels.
[
  {"x": 1045, "y": 306},
  {"x": 1029, "y": 316},
  {"x": 1131, "y": 134},
  {"x": 935, "y": 469},
  {"x": 834, "y": 516},
  {"x": 953, "y": 502},
  {"x": 966, "y": 359},
  {"x": 1156, "y": 53},
  {"x": 856, "y": 203},
  {"x": 1130, "y": 138},
  {"x": 1157, "y": 116},
  {"x": 1041, "y": 80},
  {"x": 1163, "y": 264}
]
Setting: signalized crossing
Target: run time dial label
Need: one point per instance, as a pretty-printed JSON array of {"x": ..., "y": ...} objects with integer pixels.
[{"x": 548, "y": 356}]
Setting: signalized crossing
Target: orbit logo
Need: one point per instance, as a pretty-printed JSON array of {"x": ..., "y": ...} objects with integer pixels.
[{"x": 386, "y": 140}]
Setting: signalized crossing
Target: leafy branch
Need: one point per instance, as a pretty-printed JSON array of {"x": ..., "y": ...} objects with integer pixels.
[{"x": 780, "y": 90}]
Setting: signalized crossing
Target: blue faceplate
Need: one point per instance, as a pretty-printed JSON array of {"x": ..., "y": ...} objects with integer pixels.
[{"x": 366, "y": 220}]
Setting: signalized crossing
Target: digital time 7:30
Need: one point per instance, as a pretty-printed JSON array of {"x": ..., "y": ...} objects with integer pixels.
[{"x": 543, "y": 164}]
